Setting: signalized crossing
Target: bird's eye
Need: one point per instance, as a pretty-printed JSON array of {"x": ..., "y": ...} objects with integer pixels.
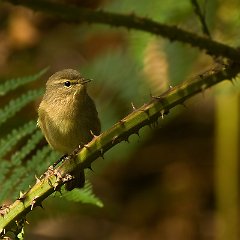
[{"x": 67, "y": 84}]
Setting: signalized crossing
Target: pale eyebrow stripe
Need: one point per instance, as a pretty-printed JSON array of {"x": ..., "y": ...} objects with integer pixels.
[{"x": 60, "y": 81}]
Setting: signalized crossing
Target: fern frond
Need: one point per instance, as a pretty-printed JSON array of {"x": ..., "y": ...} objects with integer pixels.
[
  {"x": 10, "y": 183},
  {"x": 27, "y": 148},
  {"x": 84, "y": 195},
  {"x": 17, "y": 104},
  {"x": 7, "y": 143},
  {"x": 49, "y": 160},
  {"x": 16, "y": 169},
  {"x": 4, "y": 168},
  {"x": 32, "y": 167},
  {"x": 37, "y": 165},
  {"x": 40, "y": 157},
  {"x": 14, "y": 83}
]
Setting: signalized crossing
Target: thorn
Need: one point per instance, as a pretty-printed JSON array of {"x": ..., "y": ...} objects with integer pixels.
[
  {"x": 162, "y": 114},
  {"x": 232, "y": 81},
  {"x": 33, "y": 202},
  {"x": 102, "y": 153},
  {"x": 94, "y": 136},
  {"x": 133, "y": 107},
  {"x": 22, "y": 196},
  {"x": 121, "y": 122},
  {"x": 86, "y": 146},
  {"x": 154, "y": 97},
  {"x": 41, "y": 176},
  {"x": 55, "y": 186},
  {"x": 40, "y": 205},
  {"x": 90, "y": 168},
  {"x": 127, "y": 139},
  {"x": 37, "y": 179},
  {"x": 137, "y": 133},
  {"x": 115, "y": 139},
  {"x": 16, "y": 221}
]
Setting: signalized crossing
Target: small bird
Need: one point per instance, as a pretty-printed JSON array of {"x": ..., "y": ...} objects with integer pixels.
[{"x": 68, "y": 117}]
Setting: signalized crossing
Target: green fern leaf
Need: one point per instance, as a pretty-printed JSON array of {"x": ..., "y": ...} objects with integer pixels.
[
  {"x": 5, "y": 191},
  {"x": 16, "y": 170},
  {"x": 9, "y": 185},
  {"x": 84, "y": 195},
  {"x": 50, "y": 159},
  {"x": 27, "y": 148},
  {"x": 40, "y": 157},
  {"x": 13, "y": 84},
  {"x": 32, "y": 167},
  {"x": 7, "y": 143},
  {"x": 17, "y": 104},
  {"x": 4, "y": 168}
]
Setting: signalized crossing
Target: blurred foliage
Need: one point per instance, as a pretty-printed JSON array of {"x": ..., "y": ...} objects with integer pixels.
[
  {"x": 161, "y": 186},
  {"x": 83, "y": 195}
]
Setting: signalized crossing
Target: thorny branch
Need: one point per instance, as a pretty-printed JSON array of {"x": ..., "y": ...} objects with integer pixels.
[
  {"x": 14, "y": 216},
  {"x": 70, "y": 13}
]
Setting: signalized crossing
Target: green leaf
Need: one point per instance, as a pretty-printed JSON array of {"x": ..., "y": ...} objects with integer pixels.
[
  {"x": 37, "y": 162},
  {"x": 14, "y": 83},
  {"x": 17, "y": 104},
  {"x": 27, "y": 148},
  {"x": 83, "y": 195},
  {"x": 16, "y": 170},
  {"x": 7, "y": 143}
]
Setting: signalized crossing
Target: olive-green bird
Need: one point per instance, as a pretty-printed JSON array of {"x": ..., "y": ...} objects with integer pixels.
[{"x": 68, "y": 117}]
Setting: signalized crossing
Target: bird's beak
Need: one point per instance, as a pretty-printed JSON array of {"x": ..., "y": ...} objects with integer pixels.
[{"x": 85, "y": 80}]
